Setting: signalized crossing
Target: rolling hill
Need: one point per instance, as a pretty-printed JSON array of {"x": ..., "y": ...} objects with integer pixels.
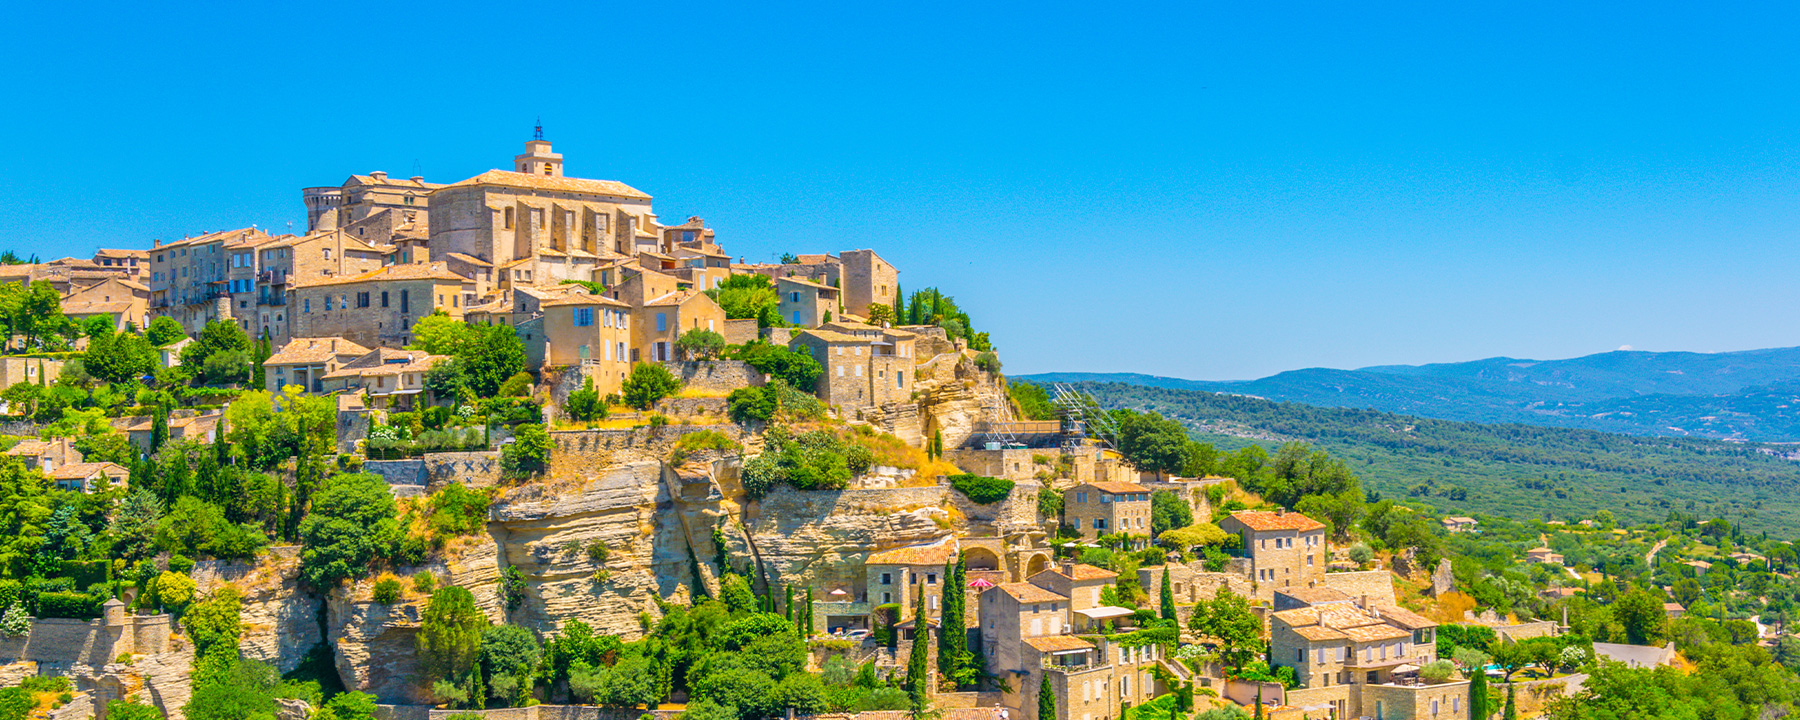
[
  {"x": 1751, "y": 395},
  {"x": 1516, "y": 470}
]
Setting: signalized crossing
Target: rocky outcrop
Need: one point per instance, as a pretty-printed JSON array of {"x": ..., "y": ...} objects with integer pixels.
[
  {"x": 376, "y": 648},
  {"x": 950, "y": 395},
  {"x": 160, "y": 679},
  {"x": 821, "y": 538},
  {"x": 280, "y": 615}
]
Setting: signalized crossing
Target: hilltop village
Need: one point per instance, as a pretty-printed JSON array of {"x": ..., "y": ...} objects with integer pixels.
[{"x": 513, "y": 447}]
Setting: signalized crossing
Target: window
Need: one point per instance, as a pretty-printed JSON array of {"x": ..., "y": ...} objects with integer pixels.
[
  {"x": 1081, "y": 497},
  {"x": 662, "y": 322},
  {"x": 306, "y": 305},
  {"x": 384, "y": 300},
  {"x": 509, "y": 218},
  {"x": 328, "y": 303},
  {"x": 404, "y": 305},
  {"x": 584, "y": 317},
  {"x": 887, "y": 578},
  {"x": 362, "y": 299},
  {"x": 931, "y": 578},
  {"x": 327, "y": 253},
  {"x": 1106, "y": 497}
]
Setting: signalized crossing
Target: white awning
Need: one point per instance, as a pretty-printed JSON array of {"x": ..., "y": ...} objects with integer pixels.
[
  {"x": 1104, "y": 612},
  {"x": 1081, "y": 651},
  {"x": 1408, "y": 668}
]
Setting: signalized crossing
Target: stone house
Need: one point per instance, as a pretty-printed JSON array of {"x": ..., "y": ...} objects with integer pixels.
[
  {"x": 1080, "y": 583},
  {"x": 1023, "y": 634},
  {"x": 306, "y": 362},
  {"x": 591, "y": 332},
  {"x": 1105, "y": 508},
  {"x": 806, "y": 303},
  {"x": 391, "y": 378},
  {"x": 894, "y": 576},
  {"x": 188, "y": 277},
  {"x": 660, "y": 321},
  {"x": 362, "y": 196},
  {"x": 46, "y": 455},
  {"x": 860, "y": 369},
  {"x": 288, "y": 262},
  {"x": 183, "y": 425},
  {"x": 1285, "y": 549},
  {"x": 15, "y": 370},
  {"x": 867, "y": 280},
  {"x": 1543, "y": 555},
  {"x": 1458, "y": 524},
  {"x": 379, "y": 307},
  {"x": 89, "y": 478},
  {"x": 1361, "y": 659},
  {"x": 133, "y": 265},
  {"x": 703, "y": 269},
  {"x": 125, "y": 301}
]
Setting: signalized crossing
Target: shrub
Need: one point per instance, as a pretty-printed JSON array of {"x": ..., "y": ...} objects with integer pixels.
[
  {"x": 457, "y": 510},
  {"x": 585, "y": 404},
  {"x": 988, "y": 362},
  {"x": 1361, "y": 554},
  {"x": 700, "y": 344},
  {"x": 519, "y": 385},
  {"x": 1436, "y": 671},
  {"x": 597, "y": 551},
  {"x": 648, "y": 383},
  {"x": 387, "y": 590},
  {"x": 751, "y": 404},
  {"x": 982, "y": 490},
  {"x": 424, "y": 582},
  {"x": 528, "y": 453},
  {"x": 797, "y": 369},
  {"x": 707, "y": 440},
  {"x": 815, "y": 460}
]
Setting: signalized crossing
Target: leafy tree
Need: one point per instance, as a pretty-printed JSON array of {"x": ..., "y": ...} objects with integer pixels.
[
  {"x": 220, "y": 355},
  {"x": 164, "y": 330},
  {"x": 798, "y": 369},
  {"x": 585, "y": 404},
  {"x": 1478, "y": 695},
  {"x": 1152, "y": 443},
  {"x": 479, "y": 363},
  {"x": 346, "y": 706},
  {"x": 751, "y": 404},
  {"x": 1642, "y": 616},
  {"x": 1032, "y": 401},
  {"x": 1046, "y": 699},
  {"x": 509, "y": 654},
  {"x": 130, "y": 709},
  {"x": 1168, "y": 512},
  {"x": 449, "y": 639},
  {"x": 352, "y": 522},
  {"x": 1227, "y": 619},
  {"x": 246, "y": 691},
  {"x": 119, "y": 357},
  {"x": 135, "y": 523},
  {"x": 519, "y": 385},
  {"x": 700, "y": 344},
  {"x": 440, "y": 334},
  {"x": 648, "y": 383},
  {"x": 214, "y": 626},
  {"x": 880, "y": 315},
  {"x": 749, "y": 296},
  {"x": 528, "y": 453}
]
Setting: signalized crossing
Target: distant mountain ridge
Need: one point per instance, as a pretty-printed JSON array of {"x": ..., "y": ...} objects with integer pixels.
[{"x": 1746, "y": 395}]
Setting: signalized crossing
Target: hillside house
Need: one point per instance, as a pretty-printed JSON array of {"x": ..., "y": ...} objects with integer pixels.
[
  {"x": 1285, "y": 549},
  {"x": 1106, "y": 508}
]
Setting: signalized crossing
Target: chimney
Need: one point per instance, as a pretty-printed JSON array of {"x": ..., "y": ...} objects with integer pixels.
[
  {"x": 1280, "y": 511},
  {"x": 379, "y": 175},
  {"x": 420, "y": 179}
]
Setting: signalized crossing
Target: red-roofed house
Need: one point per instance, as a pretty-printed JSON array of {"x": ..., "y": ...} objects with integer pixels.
[{"x": 1286, "y": 549}]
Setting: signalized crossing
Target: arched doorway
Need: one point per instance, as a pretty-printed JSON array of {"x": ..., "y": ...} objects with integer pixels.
[
  {"x": 980, "y": 558},
  {"x": 1036, "y": 563}
]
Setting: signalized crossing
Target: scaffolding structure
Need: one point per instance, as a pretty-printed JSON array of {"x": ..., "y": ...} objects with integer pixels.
[{"x": 1083, "y": 415}]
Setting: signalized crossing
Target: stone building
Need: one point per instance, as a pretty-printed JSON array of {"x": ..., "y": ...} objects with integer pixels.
[
  {"x": 894, "y": 576},
  {"x": 1106, "y": 508},
  {"x": 390, "y": 378},
  {"x": 45, "y": 455},
  {"x": 124, "y": 301},
  {"x": 863, "y": 365},
  {"x": 306, "y": 361},
  {"x": 362, "y": 196},
  {"x": 379, "y": 307},
  {"x": 1285, "y": 549},
  {"x": 592, "y": 332},
  {"x": 806, "y": 303},
  {"x": 89, "y": 478},
  {"x": 867, "y": 280},
  {"x": 188, "y": 277},
  {"x": 660, "y": 321},
  {"x": 1023, "y": 629},
  {"x": 133, "y": 265},
  {"x": 537, "y": 225},
  {"x": 1361, "y": 658}
]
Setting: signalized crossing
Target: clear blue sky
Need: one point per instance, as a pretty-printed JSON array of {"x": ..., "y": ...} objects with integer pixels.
[{"x": 1205, "y": 190}]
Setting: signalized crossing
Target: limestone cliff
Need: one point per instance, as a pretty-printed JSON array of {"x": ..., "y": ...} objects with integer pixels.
[{"x": 280, "y": 615}]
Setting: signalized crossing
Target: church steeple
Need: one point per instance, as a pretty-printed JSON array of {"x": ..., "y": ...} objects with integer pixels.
[{"x": 538, "y": 160}]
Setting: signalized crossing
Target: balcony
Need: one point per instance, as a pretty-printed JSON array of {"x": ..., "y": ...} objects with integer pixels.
[{"x": 1356, "y": 662}]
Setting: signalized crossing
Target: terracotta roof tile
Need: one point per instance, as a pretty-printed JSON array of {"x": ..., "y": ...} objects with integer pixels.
[
  {"x": 1058, "y": 643},
  {"x": 507, "y": 178},
  {"x": 938, "y": 554},
  {"x": 1119, "y": 488},
  {"x": 414, "y": 271},
  {"x": 1262, "y": 521},
  {"x": 1029, "y": 593}
]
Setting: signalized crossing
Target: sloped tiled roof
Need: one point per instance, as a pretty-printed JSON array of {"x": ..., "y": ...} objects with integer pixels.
[
  {"x": 1262, "y": 521},
  {"x": 1029, "y": 593},
  {"x": 1082, "y": 571},
  {"x": 527, "y": 181},
  {"x": 415, "y": 271},
  {"x": 1119, "y": 488},
  {"x": 305, "y": 351},
  {"x": 77, "y": 471},
  {"x": 938, "y": 553},
  {"x": 1058, "y": 643}
]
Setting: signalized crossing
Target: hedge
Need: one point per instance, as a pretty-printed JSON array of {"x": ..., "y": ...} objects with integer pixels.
[
  {"x": 77, "y": 606},
  {"x": 982, "y": 490}
]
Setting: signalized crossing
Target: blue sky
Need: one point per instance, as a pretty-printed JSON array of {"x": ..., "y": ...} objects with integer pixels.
[{"x": 1203, "y": 190}]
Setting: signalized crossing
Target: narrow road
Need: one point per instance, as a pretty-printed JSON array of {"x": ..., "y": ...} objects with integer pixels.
[{"x": 1650, "y": 557}]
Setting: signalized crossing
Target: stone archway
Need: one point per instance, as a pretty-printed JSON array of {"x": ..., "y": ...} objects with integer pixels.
[
  {"x": 980, "y": 558},
  {"x": 1035, "y": 563}
]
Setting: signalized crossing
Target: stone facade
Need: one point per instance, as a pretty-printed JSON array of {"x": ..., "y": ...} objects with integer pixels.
[
  {"x": 868, "y": 280},
  {"x": 1106, "y": 508},
  {"x": 377, "y": 308},
  {"x": 1285, "y": 549}
]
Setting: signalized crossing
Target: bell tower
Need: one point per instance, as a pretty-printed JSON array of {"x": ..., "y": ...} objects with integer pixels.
[{"x": 538, "y": 160}]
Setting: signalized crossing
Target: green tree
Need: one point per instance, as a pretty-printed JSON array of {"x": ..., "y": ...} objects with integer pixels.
[
  {"x": 509, "y": 655},
  {"x": 1512, "y": 705},
  {"x": 1152, "y": 443},
  {"x": 585, "y": 404},
  {"x": 648, "y": 383},
  {"x": 1046, "y": 699},
  {"x": 749, "y": 296},
  {"x": 440, "y": 334},
  {"x": 352, "y": 522},
  {"x": 214, "y": 626},
  {"x": 220, "y": 355},
  {"x": 918, "y": 669},
  {"x": 700, "y": 344},
  {"x": 751, "y": 404},
  {"x": 344, "y": 706},
  {"x": 528, "y": 453},
  {"x": 119, "y": 357},
  {"x": 135, "y": 523},
  {"x": 1641, "y": 615},
  {"x": 1168, "y": 512},
  {"x": 164, "y": 330},
  {"x": 129, "y": 709},
  {"x": 1168, "y": 595},
  {"x": 449, "y": 639},
  {"x": 1227, "y": 619},
  {"x": 798, "y": 369},
  {"x": 1478, "y": 695}
]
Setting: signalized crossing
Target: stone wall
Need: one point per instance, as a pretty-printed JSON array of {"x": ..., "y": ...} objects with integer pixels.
[
  {"x": 1018, "y": 512},
  {"x": 582, "y": 451},
  {"x": 713, "y": 409},
  {"x": 535, "y": 712},
  {"x": 721, "y": 376},
  {"x": 738, "y": 332},
  {"x": 1377, "y": 584},
  {"x": 474, "y": 469},
  {"x": 398, "y": 472},
  {"x": 1193, "y": 583}
]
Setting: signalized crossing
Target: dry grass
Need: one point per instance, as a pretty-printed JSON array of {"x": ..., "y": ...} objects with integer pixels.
[{"x": 1450, "y": 607}]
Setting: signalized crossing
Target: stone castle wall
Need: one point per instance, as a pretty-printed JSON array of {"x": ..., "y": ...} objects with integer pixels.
[
  {"x": 1377, "y": 584},
  {"x": 720, "y": 376}
]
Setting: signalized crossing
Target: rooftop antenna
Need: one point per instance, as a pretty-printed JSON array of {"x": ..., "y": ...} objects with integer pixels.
[
  {"x": 418, "y": 170},
  {"x": 538, "y": 132}
]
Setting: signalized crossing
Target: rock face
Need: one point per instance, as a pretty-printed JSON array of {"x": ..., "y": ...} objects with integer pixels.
[
  {"x": 160, "y": 679},
  {"x": 822, "y": 537},
  {"x": 280, "y": 615},
  {"x": 950, "y": 395}
]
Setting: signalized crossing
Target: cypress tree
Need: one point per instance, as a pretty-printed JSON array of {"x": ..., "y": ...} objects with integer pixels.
[
  {"x": 1478, "y": 696},
  {"x": 1046, "y": 700},
  {"x": 788, "y": 602},
  {"x": 918, "y": 670},
  {"x": 952, "y": 640},
  {"x": 899, "y": 306},
  {"x": 809, "y": 613},
  {"x": 1512, "y": 708},
  {"x": 1168, "y": 596}
]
